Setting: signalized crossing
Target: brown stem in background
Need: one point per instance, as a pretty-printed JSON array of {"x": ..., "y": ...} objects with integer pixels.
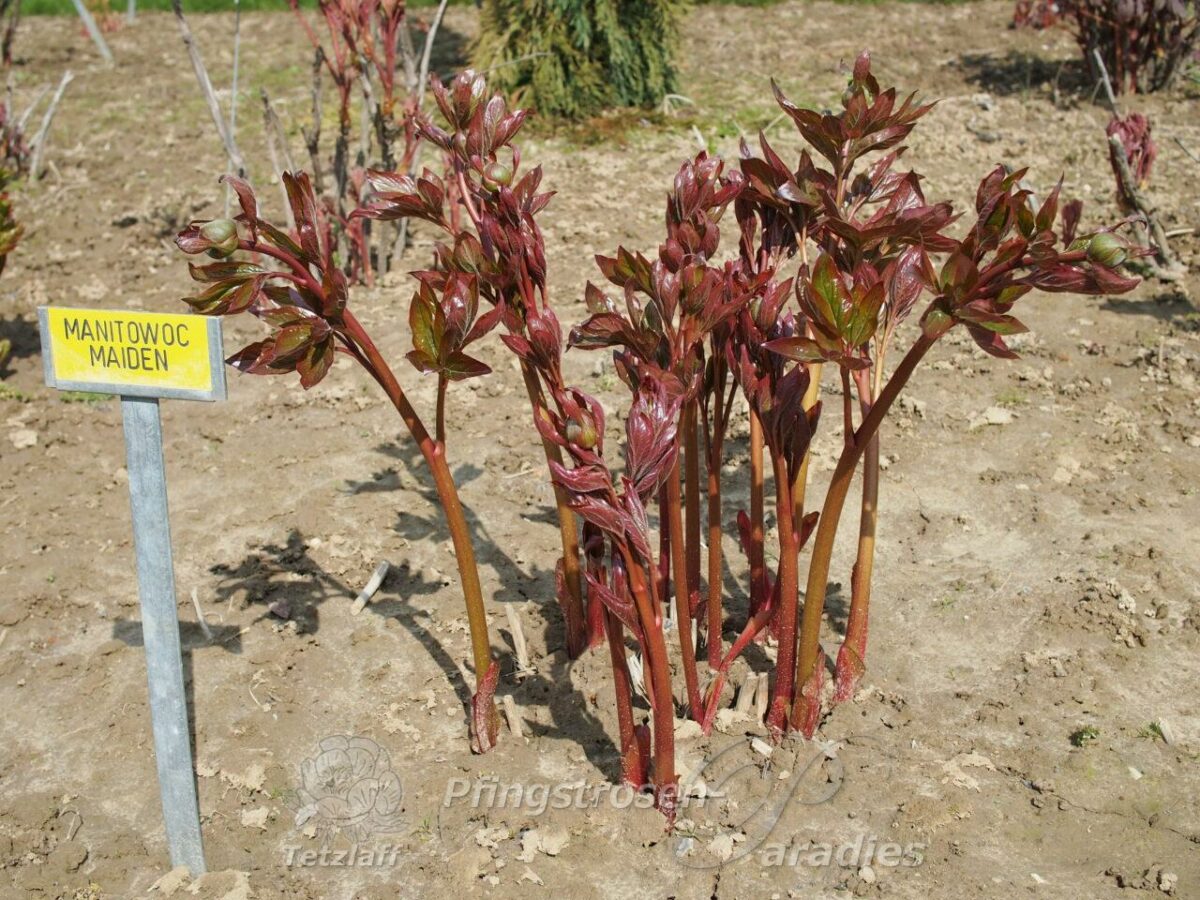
[
  {"x": 683, "y": 616},
  {"x": 835, "y": 500},
  {"x": 573, "y": 614}
]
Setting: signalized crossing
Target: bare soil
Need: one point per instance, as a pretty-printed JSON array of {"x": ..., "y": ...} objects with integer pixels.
[{"x": 1036, "y": 604}]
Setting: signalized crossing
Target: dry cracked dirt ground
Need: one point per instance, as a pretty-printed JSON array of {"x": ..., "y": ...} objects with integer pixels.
[{"x": 1031, "y": 724}]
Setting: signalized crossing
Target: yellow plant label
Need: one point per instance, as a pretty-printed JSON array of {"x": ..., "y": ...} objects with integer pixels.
[{"x": 133, "y": 353}]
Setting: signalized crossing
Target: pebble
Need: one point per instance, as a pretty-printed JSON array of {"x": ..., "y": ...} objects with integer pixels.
[
  {"x": 722, "y": 845},
  {"x": 993, "y": 415},
  {"x": 23, "y": 438},
  {"x": 550, "y": 840},
  {"x": 70, "y": 855},
  {"x": 762, "y": 747},
  {"x": 172, "y": 881},
  {"x": 255, "y": 818},
  {"x": 1167, "y": 732}
]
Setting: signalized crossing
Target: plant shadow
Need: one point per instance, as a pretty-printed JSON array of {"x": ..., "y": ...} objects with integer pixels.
[
  {"x": 283, "y": 581},
  {"x": 1017, "y": 72},
  {"x": 192, "y": 637},
  {"x": 1170, "y": 306},
  {"x": 451, "y": 51},
  {"x": 23, "y": 338}
]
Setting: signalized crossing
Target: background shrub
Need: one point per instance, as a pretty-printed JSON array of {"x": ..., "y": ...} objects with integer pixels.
[{"x": 572, "y": 58}]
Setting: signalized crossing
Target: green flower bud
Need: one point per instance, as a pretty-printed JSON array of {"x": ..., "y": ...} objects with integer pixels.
[
  {"x": 1106, "y": 249},
  {"x": 224, "y": 237},
  {"x": 498, "y": 172},
  {"x": 496, "y": 175},
  {"x": 582, "y": 431}
]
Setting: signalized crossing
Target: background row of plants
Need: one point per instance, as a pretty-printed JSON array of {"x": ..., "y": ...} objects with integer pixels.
[
  {"x": 371, "y": 62},
  {"x": 807, "y": 290}
]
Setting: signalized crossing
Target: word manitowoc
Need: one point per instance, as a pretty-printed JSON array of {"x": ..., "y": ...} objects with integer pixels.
[
  {"x": 127, "y": 343},
  {"x": 137, "y": 354}
]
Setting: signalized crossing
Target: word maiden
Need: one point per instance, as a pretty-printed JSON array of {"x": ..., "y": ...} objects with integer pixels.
[{"x": 127, "y": 344}]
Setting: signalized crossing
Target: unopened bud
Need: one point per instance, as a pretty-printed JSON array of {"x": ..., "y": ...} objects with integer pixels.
[
  {"x": 496, "y": 175},
  {"x": 582, "y": 431},
  {"x": 1107, "y": 250},
  {"x": 223, "y": 235}
]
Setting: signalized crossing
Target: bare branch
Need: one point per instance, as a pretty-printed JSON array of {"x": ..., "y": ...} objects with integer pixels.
[
  {"x": 277, "y": 150},
  {"x": 39, "y": 140},
  {"x": 235, "y": 156},
  {"x": 427, "y": 52},
  {"x": 1167, "y": 264},
  {"x": 408, "y": 57},
  {"x": 31, "y": 107},
  {"x": 1104, "y": 80},
  {"x": 312, "y": 137},
  {"x": 1192, "y": 156},
  {"x": 233, "y": 92}
]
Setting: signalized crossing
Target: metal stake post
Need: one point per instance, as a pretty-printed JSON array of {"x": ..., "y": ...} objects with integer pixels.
[{"x": 160, "y": 630}]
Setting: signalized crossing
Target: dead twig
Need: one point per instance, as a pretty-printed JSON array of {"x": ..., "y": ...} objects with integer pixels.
[
  {"x": 511, "y": 714},
  {"x": 233, "y": 96},
  {"x": 208, "y": 635},
  {"x": 746, "y": 694},
  {"x": 373, "y": 585},
  {"x": 39, "y": 140},
  {"x": 312, "y": 136},
  {"x": 1192, "y": 156},
  {"x": 427, "y": 52},
  {"x": 1167, "y": 267},
  {"x": 762, "y": 697},
  {"x": 76, "y": 823},
  {"x": 277, "y": 150},
  {"x": 31, "y": 107},
  {"x": 422, "y": 82},
  {"x": 520, "y": 647},
  {"x": 1102, "y": 70},
  {"x": 237, "y": 163},
  {"x": 408, "y": 57}
]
